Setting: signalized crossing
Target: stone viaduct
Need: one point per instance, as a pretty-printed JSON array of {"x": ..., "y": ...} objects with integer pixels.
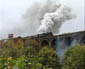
[
  {"x": 67, "y": 39},
  {"x": 47, "y": 39}
]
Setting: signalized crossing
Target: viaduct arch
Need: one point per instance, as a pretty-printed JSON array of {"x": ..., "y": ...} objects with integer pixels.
[{"x": 47, "y": 39}]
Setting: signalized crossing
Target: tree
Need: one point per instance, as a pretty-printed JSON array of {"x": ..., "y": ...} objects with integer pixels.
[
  {"x": 49, "y": 58},
  {"x": 12, "y": 48},
  {"x": 19, "y": 48},
  {"x": 31, "y": 47},
  {"x": 74, "y": 58}
]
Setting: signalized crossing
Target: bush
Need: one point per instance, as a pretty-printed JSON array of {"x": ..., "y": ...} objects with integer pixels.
[
  {"x": 2, "y": 63},
  {"x": 48, "y": 58},
  {"x": 21, "y": 62},
  {"x": 74, "y": 58},
  {"x": 7, "y": 63}
]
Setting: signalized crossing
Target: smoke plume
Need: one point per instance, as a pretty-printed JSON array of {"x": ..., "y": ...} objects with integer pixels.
[
  {"x": 61, "y": 48},
  {"x": 53, "y": 21},
  {"x": 45, "y": 17}
]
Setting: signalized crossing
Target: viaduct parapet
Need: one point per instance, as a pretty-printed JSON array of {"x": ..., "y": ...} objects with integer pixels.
[
  {"x": 47, "y": 39},
  {"x": 67, "y": 39}
]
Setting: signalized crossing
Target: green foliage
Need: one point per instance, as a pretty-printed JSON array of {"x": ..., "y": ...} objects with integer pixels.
[
  {"x": 45, "y": 59},
  {"x": 33, "y": 62},
  {"x": 7, "y": 63},
  {"x": 12, "y": 49},
  {"x": 30, "y": 51},
  {"x": 49, "y": 58},
  {"x": 30, "y": 56},
  {"x": 2, "y": 63},
  {"x": 21, "y": 63},
  {"x": 74, "y": 58}
]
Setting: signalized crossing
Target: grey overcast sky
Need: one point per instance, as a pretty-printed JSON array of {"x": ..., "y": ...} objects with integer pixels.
[{"x": 11, "y": 12}]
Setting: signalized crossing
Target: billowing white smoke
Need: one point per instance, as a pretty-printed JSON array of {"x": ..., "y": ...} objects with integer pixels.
[
  {"x": 51, "y": 22},
  {"x": 34, "y": 16}
]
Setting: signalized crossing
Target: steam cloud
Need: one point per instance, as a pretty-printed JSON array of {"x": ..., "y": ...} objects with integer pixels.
[
  {"x": 53, "y": 21},
  {"x": 61, "y": 48},
  {"x": 46, "y": 17}
]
